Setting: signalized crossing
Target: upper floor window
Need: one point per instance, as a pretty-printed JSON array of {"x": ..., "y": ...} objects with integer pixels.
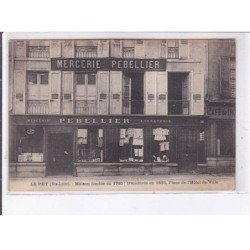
[
  {"x": 86, "y": 51},
  {"x": 173, "y": 52},
  {"x": 128, "y": 52},
  {"x": 38, "y": 51},
  {"x": 38, "y": 77},
  {"x": 82, "y": 79},
  {"x": 173, "y": 49}
]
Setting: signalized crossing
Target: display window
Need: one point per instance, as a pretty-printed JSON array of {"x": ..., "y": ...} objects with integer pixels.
[
  {"x": 90, "y": 145},
  {"x": 161, "y": 145},
  {"x": 131, "y": 145},
  {"x": 30, "y": 144}
]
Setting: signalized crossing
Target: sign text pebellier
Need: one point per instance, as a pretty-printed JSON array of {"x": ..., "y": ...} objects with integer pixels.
[{"x": 94, "y": 64}]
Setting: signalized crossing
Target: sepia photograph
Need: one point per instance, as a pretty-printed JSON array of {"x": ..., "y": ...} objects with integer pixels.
[{"x": 121, "y": 115}]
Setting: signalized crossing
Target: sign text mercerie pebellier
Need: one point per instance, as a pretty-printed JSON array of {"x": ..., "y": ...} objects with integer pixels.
[{"x": 94, "y": 64}]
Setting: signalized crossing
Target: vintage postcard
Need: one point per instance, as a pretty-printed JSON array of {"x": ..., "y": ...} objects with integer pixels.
[{"x": 115, "y": 115}]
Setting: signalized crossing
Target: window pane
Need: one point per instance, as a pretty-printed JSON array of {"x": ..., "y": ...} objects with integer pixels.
[
  {"x": 30, "y": 144},
  {"x": 32, "y": 78},
  {"x": 44, "y": 78},
  {"x": 131, "y": 145},
  {"x": 160, "y": 145},
  {"x": 91, "y": 79},
  {"x": 90, "y": 145},
  {"x": 80, "y": 78}
]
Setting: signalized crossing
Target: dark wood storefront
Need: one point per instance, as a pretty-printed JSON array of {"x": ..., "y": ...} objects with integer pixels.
[{"x": 60, "y": 154}]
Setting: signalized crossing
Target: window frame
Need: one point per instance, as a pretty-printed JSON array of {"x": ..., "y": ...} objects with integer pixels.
[
  {"x": 86, "y": 78},
  {"x": 38, "y": 77}
]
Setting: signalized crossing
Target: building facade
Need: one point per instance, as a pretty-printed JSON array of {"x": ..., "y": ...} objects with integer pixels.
[
  {"x": 112, "y": 107},
  {"x": 220, "y": 105}
]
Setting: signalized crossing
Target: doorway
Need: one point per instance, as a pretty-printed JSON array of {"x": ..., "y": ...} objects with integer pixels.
[
  {"x": 133, "y": 93},
  {"x": 187, "y": 148},
  {"x": 60, "y": 154},
  {"x": 178, "y": 93}
]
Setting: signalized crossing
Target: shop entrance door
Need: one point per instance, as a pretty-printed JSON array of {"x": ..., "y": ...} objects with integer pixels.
[
  {"x": 187, "y": 148},
  {"x": 60, "y": 154}
]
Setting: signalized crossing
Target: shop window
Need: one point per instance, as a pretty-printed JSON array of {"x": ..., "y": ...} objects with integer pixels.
[
  {"x": 30, "y": 144},
  {"x": 225, "y": 143},
  {"x": 38, "y": 51},
  {"x": 131, "y": 145},
  {"x": 161, "y": 145},
  {"x": 90, "y": 145},
  {"x": 86, "y": 51}
]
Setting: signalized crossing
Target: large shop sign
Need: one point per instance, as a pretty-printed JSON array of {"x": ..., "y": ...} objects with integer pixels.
[
  {"x": 221, "y": 112},
  {"x": 104, "y": 120},
  {"x": 94, "y": 64}
]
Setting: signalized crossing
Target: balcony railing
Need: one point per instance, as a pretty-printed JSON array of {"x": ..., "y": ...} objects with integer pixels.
[
  {"x": 89, "y": 107},
  {"x": 38, "y": 107},
  {"x": 178, "y": 107},
  {"x": 83, "y": 51},
  {"x": 38, "y": 51},
  {"x": 86, "y": 107}
]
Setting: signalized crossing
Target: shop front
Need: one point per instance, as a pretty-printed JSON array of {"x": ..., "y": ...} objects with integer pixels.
[
  {"x": 221, "y": 136},
  {"x": 105, "y": 145}
]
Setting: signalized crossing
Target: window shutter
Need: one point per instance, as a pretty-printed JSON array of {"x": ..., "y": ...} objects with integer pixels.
[
  {"x": 225, "y": 76},
  {"x": 67, "y": 87},
  {"x": 197, "y": 93},
  {"x": 150, "y": 93},
  {"x": 126, "y": 95},
  {"x": 161, "y": 93},
  {"x": 103, "y": 48},
  {"x": 103, "y": 92},
  {"x": 183, "y": 49},
  {"x": 116, "y": 48},
  {"x": 19, "y": 91},
  {"x": 232, "y": 78},
  {"x": 55, "y": 90},
  {"x": 115, "y": 92}
]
